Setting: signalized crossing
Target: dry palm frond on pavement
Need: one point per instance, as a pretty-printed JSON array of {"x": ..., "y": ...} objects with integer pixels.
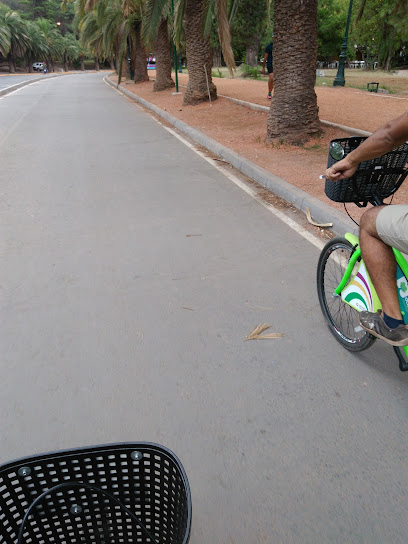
[{"x": 256, "y": 334}]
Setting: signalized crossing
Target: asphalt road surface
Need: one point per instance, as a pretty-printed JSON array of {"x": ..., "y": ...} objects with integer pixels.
[
  {"x": 131, "y": 272},
  {"x": 7, "y": 81}
]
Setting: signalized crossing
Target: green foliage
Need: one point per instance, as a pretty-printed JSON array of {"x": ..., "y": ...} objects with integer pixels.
[
  {"x": 249, "y": 26},
  {"x": 217, "y": 73},
  {"x": 30, "y": 10},
  {"x": 381, "y": 31},
  {"x": 331, "y": 20},
  {"x": 250, "y": 71}
]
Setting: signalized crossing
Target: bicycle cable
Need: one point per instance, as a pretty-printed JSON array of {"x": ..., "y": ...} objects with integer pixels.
[{"x": 347, "y": 212}]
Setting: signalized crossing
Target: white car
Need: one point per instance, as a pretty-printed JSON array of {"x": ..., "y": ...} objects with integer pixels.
[{"x": 38, "y": 66}]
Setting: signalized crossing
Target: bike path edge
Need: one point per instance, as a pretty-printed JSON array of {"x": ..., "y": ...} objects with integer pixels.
[
  {"x": 321, "y": 212},
  {"x": 24, "y": 83}
]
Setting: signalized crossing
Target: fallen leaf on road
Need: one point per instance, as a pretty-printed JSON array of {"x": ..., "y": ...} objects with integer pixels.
[
  {"x": 256, "y": 333},
  {"x": 309, "y": 218}
]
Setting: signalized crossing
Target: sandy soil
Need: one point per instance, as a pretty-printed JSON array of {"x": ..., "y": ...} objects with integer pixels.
[{"x": 244, "y": 130}]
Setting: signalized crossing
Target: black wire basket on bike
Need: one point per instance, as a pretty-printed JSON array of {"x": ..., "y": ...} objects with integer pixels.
[
  {"x": 117, "y": 493},
  {"x": 379, "y": 177}
]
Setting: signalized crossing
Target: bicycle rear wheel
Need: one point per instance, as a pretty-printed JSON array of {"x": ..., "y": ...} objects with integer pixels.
[{"x": 341, "y": 318}]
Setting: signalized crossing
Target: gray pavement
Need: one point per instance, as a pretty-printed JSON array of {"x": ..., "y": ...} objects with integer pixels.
[
  {"x": 321, "y": 212},
  {"x": 9, "y": 83},
  {"x": 132, "y": 271}
]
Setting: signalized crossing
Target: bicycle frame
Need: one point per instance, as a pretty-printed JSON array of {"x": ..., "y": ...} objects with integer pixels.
[{"x": 359, "y": 292}]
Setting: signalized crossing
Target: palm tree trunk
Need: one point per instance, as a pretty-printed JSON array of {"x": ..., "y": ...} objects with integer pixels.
[
  {"x": 217, "y": 56},
  {"x": 199, "y": 56},
  {"x": 29, "y": 64},
  {"x": 97, "y": 64},
  {"x": 293, "y": 115},
  {"x": 163, "y": 59},
  {"x": 251, "y": 52},
  {"x": 82, "y": 65},
  {"x": 12, "y": 69},
  {"x": 140, "y": 56}
]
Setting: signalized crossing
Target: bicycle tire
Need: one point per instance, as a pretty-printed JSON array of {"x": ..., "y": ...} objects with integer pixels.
[{"x": 341, "y": 318}]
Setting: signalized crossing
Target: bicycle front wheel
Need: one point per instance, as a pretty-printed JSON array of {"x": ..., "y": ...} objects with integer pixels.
[{"x": 342, "y": 319}]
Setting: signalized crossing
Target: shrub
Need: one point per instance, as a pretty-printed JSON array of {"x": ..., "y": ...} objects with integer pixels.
[{"x": 250, "y": 71}]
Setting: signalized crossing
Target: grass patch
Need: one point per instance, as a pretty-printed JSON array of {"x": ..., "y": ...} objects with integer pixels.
[{"x": 217, "y": 73}]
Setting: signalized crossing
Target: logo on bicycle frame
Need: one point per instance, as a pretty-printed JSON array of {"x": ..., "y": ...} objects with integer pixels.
[{"x": 358, "y": 292}]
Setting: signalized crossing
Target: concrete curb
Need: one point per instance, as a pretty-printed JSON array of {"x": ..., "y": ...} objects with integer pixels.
[{"x": 321, "y": 212}]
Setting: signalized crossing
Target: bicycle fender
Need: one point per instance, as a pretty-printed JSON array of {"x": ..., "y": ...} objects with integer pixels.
[{"x": 352, "y": 238}]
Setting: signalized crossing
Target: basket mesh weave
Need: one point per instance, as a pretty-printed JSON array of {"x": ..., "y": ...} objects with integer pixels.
[
  {"x": 146, "y": 478},
  {"x": 379, "y": 177}
]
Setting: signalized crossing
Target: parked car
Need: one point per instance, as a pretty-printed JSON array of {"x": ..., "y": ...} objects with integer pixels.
[{"x": 38, "y": 66}]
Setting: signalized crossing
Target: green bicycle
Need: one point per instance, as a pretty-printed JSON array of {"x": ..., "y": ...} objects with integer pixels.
[{"x": 343, "y": 284}]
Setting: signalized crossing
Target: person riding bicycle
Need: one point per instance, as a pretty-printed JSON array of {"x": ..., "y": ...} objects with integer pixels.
[{"x": 381, "y": 228}]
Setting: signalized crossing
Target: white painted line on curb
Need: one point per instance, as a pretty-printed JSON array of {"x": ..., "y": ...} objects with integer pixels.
[{"x": 16, "y": 90}]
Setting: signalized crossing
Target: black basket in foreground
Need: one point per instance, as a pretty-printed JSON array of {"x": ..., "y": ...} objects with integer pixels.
[
  {"x": 379, "y": 177},
  {"x": 117, "y": 493}
]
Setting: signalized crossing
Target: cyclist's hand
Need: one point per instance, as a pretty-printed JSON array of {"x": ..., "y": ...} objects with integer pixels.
[
  {"x": 263, "y": 71},
  {"x": 341, "y": 170}
]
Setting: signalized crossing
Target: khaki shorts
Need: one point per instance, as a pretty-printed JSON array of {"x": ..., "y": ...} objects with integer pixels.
[{"x": 392, "y": 226}]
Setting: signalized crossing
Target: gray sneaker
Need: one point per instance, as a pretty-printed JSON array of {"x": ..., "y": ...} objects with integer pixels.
[{"x": 374, "y": 324}]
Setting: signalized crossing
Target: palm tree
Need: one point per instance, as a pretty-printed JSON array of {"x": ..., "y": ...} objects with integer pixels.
[
  {"x": 293, "y": 114},
  {"x": 155, "y": 33},
  {"x": 92, "y": 36},
  {"x": 198, "y": 15},
  {"x": 82, "y": 55},
  {"x": 195, "y": 18},
  {"x": 70, "y": 49},
  {"x": 14, "y": 32},
  {"x": 37, "y": 45},
  {"x": 115, "y": 28},
  {"x": 199, "y": 56},
  {"x": 53, "y": 40},
  {"x": 5, "y": 35},
  {"x": 133, "y": 14}
]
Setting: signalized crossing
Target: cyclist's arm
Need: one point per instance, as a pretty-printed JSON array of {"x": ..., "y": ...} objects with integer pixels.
[{"x": 386, "y": 138}]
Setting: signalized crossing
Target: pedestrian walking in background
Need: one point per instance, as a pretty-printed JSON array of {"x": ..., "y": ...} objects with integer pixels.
[{"x": 268, "y": 61}]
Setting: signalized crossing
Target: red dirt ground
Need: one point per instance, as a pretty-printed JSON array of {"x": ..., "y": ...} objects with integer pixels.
[{"x": 244, "y": 130}]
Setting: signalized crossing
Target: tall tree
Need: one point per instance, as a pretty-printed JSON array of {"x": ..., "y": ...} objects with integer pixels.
[
  {"x": 162, "y": 51},
  {"x": 37, "y": 47},
  {"x": 15, "y": 30},
  {"x": 293, "y": 114},
  {"x": 155, "y": 32},
  {"x": 199, "y": 56},
  {"x": 69, "y": 49},
  {"x": 248, "y": 27},
  {"x": 5, "y": 35},
  {"x": 53, "y": 40},
  {"x": 331, "y": 19},
  {"x": 380, "y": 30},
  {"x": 198, "y": 17}
]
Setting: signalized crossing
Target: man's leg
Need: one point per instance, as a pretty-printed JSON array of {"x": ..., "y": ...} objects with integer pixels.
[
  {"x": 375, "y": 231},
  {"x": 270, "y": 83},
  {"x": 380, "y": 262}
]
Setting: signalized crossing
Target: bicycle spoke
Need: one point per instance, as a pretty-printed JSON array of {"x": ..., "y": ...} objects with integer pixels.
[{"x": 342, "y": 318}]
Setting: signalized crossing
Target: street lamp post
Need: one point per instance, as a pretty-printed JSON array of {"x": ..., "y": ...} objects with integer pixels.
[{"x": 339, "y": 80}]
